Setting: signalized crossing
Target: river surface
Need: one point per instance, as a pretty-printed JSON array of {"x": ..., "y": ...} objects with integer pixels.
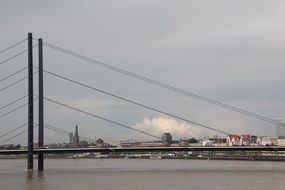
[{"x": 136, "y": 174}]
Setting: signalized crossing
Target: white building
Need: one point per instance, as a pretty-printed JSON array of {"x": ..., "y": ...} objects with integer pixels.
[
  {"x": 233, "y": 140},
  {"x": 207, "y": 142},
  {"x": 281, "y": 142},
  {"x": 267, "y": 141}
]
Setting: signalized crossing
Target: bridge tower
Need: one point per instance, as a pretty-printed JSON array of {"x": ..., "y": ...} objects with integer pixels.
[
  {"x": 30, "y": 104},
  {"x": 41, "y": 107},
  {"x": 30, "y": 156}
]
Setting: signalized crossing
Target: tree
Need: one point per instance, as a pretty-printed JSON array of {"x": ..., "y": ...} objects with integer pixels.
[
  {"x": 18, "y": 146},
  {"x": 193, "y": 140}
]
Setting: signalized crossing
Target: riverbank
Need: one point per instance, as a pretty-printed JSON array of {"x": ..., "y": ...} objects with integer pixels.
[{"x": 260, "y": 157}]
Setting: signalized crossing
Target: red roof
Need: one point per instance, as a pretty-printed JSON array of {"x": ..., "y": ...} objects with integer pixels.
[
  {"x": 233, "y": 137},
  {"x": 245, "y": 137}
]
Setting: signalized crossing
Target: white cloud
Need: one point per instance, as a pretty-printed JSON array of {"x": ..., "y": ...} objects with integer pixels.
[{"x": 160, "y": 125}]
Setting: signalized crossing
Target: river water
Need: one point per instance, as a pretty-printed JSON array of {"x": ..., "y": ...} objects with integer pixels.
[{"x": 136, "y": 174}]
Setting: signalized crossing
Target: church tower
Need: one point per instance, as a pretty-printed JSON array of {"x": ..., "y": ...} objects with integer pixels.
[{"x": 76, "y": 138}]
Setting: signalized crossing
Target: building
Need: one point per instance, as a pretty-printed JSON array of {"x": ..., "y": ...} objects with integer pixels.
[
  {"x": 281, "y": 142},
  {"x": 253, "y": 140},
  {"x": 83, "y": 144},
  {"x": 233, "y": 140},
  {"x": 142, "y": 144},
  {"x": 267, "y": 141},
  {"x": 152, "y": 144},
  {"x": 207, "y": 141},
  {"x": 220, "y": 142},
  {"x": 76, "y": 138},
  {"x": 245, "y": 140},
  {"x": 280, "y": 130},
  {"x": 132, "y": 143},
  {"x": 184, "y": 143},
  {"x": 214, "y": 141},
  {"x": 71, "y": 138},
  {"x": 166, "y": 138},
  {"x": 99, "y": 143}
]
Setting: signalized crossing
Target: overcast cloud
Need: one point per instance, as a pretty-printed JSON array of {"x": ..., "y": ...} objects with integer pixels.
[{"x": 230, "y": 51}]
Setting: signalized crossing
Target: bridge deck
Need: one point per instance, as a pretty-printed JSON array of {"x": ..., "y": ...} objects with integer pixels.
[{"x": 142, "y": 149}]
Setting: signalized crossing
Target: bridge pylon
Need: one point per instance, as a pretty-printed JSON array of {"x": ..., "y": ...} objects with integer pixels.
[
  {"x": 30, "y": 104},
  {"x": 41, "y": 107}
]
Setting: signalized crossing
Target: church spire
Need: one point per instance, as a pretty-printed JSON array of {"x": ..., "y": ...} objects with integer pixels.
[{"x": 76, "y": 138}]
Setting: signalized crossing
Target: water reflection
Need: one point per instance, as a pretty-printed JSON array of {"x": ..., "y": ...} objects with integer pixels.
[
  {"x": 35, "y": 180},
  {"x": 40, "y": 174},
  {"x": 30, "y": 175}
]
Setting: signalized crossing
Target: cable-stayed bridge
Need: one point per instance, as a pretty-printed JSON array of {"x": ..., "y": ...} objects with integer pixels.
[{"x": 41, "y": 98}]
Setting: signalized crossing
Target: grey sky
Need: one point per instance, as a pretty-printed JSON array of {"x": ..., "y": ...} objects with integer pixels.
[{"x": 230, "y": 51}]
